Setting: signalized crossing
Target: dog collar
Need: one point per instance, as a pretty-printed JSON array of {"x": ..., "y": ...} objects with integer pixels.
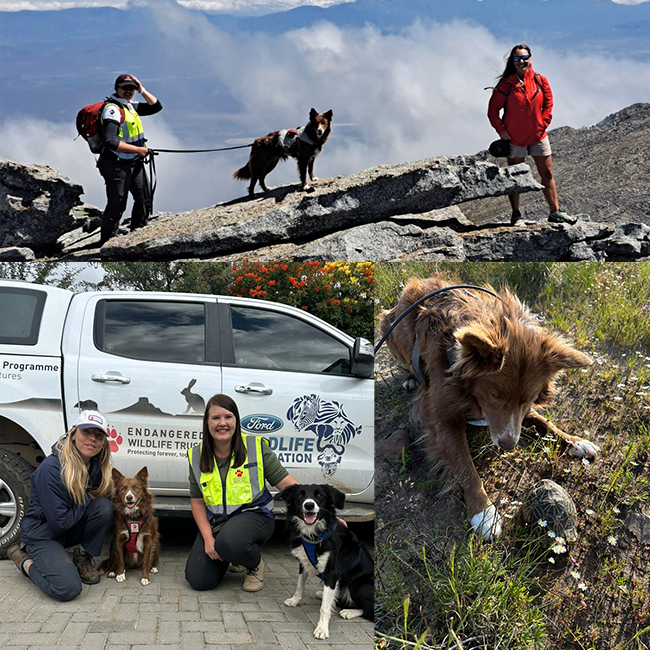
[{"x": 133, "y": 526}]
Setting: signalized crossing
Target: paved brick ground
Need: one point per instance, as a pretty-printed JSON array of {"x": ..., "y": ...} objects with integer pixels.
[{"x": 169, "y": 614}]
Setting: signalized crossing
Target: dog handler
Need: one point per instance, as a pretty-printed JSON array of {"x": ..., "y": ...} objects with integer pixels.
[
  {"x": 527, "y": 103},
  {"x": 121, "y": 162},
  {"x": 68, "y": 507},
  {"x": 232, "y": 526}
]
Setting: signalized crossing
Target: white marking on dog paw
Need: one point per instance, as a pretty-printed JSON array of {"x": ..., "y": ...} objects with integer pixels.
[
  {"x": 121, "y": 577},
  {"x": 350, "y": 613},
  {"x": 580, "y": 448},
  {"x": 292, "y": 602},
  {"x": 487, "y": 523},
  {"x": 154, "y": 569},
  {"x": 111, "y": 574},
  {"x": 410, "y": 384},
  {"x": 321, "y": 632},
  {"x": 145, "y": 581}
]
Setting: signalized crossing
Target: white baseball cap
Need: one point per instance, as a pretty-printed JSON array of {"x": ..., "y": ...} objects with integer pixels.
[{"x": 91, "y": 420}]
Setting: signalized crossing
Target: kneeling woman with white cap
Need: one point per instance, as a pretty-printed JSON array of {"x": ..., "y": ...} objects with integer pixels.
[{"x": 68, "y": 507}]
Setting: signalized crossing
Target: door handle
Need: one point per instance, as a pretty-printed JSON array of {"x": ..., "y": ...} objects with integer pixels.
[
  {"x": 112, "y": 378},
  {"x": 257, "y": 390}
]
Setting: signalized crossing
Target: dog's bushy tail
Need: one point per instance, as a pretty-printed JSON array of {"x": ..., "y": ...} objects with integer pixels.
[{"x": 243, "y": 173}]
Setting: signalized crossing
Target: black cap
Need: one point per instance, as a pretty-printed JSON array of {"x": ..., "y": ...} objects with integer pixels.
[
  {"x": 125, "y": 79},
  {"x": 500, "y": 148}
]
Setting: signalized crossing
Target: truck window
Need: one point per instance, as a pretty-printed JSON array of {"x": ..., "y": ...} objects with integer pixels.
[
  {"x": 275, "y": 341},
  {"x": 172, "y": 332},
  {"x": 20, "y": 315}
]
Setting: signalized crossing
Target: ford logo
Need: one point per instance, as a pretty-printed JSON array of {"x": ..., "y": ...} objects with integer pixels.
[{"x": 261, "y": 423}]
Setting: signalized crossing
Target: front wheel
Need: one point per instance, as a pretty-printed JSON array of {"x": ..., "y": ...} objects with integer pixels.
[{"x": 15, "y": 474}]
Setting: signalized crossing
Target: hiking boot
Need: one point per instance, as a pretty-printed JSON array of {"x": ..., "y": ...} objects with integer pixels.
[
  {"x": 516, "y": 220},
  {"x": 254, "y": 579},
  {"x": 86, "y": 566},
  {"x": 236, "y": 568},
  {"x": 17, "y": 555},
  {"x": 561, "y": 217}
]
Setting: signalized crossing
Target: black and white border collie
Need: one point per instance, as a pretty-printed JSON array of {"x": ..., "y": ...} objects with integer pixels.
[{"x": 328, "y": 549}]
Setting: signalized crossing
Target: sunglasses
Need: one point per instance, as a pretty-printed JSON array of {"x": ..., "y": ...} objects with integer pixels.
[
  {"x": 127, "y": 87},
  {"x": 521, "y": 58}
]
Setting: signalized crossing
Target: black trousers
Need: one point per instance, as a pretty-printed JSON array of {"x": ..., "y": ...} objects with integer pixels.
[
  {"x": 122, "y": 177},
  {"x": 238, "y": 542}
]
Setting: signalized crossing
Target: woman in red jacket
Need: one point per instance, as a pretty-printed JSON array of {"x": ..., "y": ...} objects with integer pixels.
[{"x": 527, "y": 103}]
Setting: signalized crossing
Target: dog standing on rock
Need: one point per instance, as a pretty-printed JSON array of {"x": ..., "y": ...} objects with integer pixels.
[
  {"x": 304, "y": 144},
  {"x": 135, "y": 542},
  {"x": 483, "y": 360}
]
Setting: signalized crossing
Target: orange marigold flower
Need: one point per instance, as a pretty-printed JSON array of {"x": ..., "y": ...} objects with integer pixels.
[
  {"x": 284, "y": 267},
  {"x": 272, "y": 283}
]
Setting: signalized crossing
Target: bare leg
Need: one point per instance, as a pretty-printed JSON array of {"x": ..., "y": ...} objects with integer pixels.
[
  {"x": 545, "y": 168},
  {"x": 514, "y": 198}
]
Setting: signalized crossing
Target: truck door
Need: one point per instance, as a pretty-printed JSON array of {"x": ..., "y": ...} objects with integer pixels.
[
  {"x": 290, "y": 376},
  {"x": 149, "y": 363}
]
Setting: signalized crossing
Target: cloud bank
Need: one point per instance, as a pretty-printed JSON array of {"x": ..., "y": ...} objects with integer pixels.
[{"x": 397, "y": 97}]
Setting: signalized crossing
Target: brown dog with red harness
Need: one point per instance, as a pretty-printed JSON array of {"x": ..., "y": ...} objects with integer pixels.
[{"x": 135, "y": 542}]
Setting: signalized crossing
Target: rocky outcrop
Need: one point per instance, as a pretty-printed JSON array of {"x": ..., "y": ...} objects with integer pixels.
[
  {"x": 35, "y": 205},
  {"x": 435, "y": 209}
]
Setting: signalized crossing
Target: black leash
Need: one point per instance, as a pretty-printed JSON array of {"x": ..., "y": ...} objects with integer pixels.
[
  {"x": 242, "y": 146},
  {"x": 430, "y": 295}
]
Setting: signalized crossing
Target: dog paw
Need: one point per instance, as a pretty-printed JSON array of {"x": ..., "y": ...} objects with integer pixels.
[
  {"x": 145, "y": 581},
  {"x": 154, "y": 569},
  {"x": 321, "y": 632},
  {"x": 319, "y": 594},
  {"x": 583, "y": 448},
  {"x": 350, "y": 613},
  {"x": 121, "y": 577},
  {"x": 292, "y": 602},
  {"x": 410, "y": 385},
  {"x": 111, "y": 574},
  {"x": 487, "y": 523}
]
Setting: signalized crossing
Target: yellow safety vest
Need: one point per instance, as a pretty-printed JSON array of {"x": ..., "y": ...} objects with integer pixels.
[
  {"x": 244, "y": 486},
  {"x": 130, "y": 131}
]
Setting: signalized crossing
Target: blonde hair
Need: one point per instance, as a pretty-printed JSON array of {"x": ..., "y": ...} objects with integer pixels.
[{"x": 74, "y": 473}]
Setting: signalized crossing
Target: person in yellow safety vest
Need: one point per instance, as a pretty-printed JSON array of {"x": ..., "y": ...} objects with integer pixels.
[
  {"x": 121, "y": 162},
  {"x": 230, "y": 502}
]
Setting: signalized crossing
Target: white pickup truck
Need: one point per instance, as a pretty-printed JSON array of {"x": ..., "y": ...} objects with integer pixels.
[{"x": 150, "y": 361}]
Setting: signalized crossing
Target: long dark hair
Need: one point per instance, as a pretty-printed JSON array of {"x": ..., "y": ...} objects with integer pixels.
[
  {"x": 510, "y": 64},
  {"x": 237, "y": 450}
]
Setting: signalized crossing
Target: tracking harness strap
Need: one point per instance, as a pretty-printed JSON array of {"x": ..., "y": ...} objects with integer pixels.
[{"x": 310, "y": 550}]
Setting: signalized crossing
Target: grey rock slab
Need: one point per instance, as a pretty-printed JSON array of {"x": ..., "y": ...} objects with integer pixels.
[
  {"x": 16, "y": 254},
  {"x": 341, "y": 203},
  {"x": 638, "y": 523},
  {"x": 36, "y": 205}
]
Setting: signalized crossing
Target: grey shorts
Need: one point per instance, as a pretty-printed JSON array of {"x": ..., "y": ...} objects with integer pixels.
[{"x": 542, "y": 148}]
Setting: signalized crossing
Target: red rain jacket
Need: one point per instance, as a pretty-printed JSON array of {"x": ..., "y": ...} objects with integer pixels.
[{"x": 528, "y": 108}]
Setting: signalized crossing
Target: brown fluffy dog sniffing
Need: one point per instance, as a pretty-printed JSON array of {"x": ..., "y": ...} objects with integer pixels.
[
  {"x": 486, "y": 360},
  {"x": 135, "y": 542}
]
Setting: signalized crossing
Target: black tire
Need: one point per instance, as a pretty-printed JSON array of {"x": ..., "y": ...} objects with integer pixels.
[{"x": 15, "y": 474}]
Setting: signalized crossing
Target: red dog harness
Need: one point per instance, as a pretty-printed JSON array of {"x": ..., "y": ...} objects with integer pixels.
[{"x": 133, "y": 526}]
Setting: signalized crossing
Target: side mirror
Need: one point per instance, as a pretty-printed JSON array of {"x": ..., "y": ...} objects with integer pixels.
[{"x": 363, "y": 359}]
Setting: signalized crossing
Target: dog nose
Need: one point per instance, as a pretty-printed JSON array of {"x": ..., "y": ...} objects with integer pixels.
[
  {"x": 309, "y": 505},
  {"x": 508, "y": 443}
]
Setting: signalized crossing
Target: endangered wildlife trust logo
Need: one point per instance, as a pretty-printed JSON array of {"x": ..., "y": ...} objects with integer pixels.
[
  {"x": 114, "y": 439},
  {"x": 329, "y": 423}
]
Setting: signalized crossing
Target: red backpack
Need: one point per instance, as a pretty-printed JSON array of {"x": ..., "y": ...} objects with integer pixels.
[{"x": 89, "y": 123}]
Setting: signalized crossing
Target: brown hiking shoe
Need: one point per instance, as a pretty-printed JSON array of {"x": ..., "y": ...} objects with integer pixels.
[
  {"x": 17, "y": 555},
  {"x": 254, "y": 579},
  {"x": 236, "y": 568},
  {"x": 86, "y": 566}
]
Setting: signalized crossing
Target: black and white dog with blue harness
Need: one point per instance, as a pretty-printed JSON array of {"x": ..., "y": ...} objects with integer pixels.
[{"x": 328, "y": 549}]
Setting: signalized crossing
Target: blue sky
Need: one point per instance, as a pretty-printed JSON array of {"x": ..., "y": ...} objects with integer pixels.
[{"x": 404, "y": 94}]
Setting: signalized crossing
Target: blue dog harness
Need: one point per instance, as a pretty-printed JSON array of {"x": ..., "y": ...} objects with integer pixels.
[{"x": 310, "y": 550}]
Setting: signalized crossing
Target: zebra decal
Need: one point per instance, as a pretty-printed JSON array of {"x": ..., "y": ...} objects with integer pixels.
[{"x": 329, "y": 423}]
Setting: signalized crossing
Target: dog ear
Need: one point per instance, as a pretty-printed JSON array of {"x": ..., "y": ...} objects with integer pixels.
[
  {"x": 328, "y": 115},
  {"x": 287, "y": 493},
  {"x": 117, "y": 475},
  {"x": 338, "y": 498},
  {"x": 313, "y": 113},
  {"x": 479, "y": 351},
  {"x": 560, "y": 355},
  {"x": 143, "y": 474}
]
